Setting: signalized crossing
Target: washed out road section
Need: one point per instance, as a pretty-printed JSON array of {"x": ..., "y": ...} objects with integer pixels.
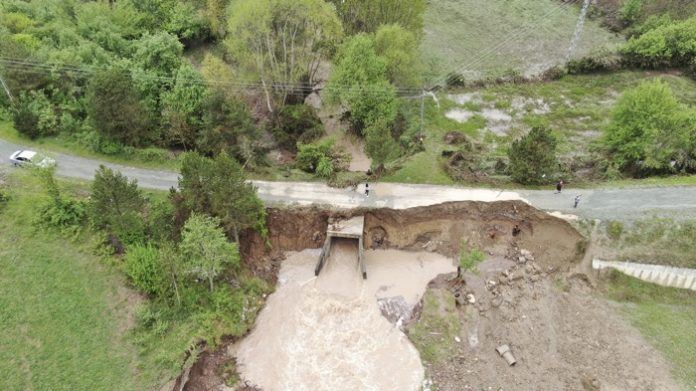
[{"x": 606, "y": 204}]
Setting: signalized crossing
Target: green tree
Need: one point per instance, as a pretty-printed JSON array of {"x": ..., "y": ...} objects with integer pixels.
[
  {"x": 359, "y": 82},
  {"x": 399, "y": 47},
  {"x": 649, "y": 130},
  {"x": 368, "y": 15},
  {"x": 116, "y": 205},
  {"x": 219, "y": 187},
  {"x": 281, "y": 42},
  {"x": 533, "y": 157},
  {"x": 205, "y": 249},
  {"x": 227, "y": 122},
  {"x": 160, "y": 52},
  {"x": 114, "y": 108},
  {"x": 379, "y": 143},
  {"x": 296, "y": 123},
  {"x": 183, "y": 107}
]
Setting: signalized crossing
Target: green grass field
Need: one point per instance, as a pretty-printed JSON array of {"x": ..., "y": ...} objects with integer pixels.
[
  {"x": 665, "y": 316},
  {"x": 576, "y": 108},
  {"x": 484, "y": 38},
  {"x": 63, "y": 311}
]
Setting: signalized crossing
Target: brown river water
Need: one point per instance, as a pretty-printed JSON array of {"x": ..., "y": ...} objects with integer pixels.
[{"x": 327, "y": 332}]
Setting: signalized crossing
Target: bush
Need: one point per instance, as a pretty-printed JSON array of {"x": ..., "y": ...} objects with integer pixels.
[
  {"x": 614, "y": 230},
  {"x": 600, "y": 62},
  {"x": 672, "y": 44},
  {"x": 63, "y": 213},
  {"x": 34, "y": 115},
  {"x": 296, "y": 123},
  {"x": 469, "y": 259},
  {"x": 152, "y": 154},
  {"x": 533, "y": 157},
  {"x": 630, "y": 11},
  {"x": 145, "y": 269},
  {"x": 650, "y": 132},
  {"x": 321, "y": 158}
]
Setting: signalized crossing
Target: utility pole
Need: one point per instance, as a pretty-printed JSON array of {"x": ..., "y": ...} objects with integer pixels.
[
  {"x": 422, "y": 112},
  {"x": 7, "y": 90}
]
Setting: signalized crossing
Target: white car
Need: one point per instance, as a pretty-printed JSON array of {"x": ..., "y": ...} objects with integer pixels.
[{"x": 30, "y": 158}]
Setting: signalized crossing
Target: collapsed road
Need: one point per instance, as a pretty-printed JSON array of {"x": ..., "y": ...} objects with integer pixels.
[{"x": 604, "y": 204}]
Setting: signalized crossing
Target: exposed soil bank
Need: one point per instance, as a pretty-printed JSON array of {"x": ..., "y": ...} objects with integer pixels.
[
  {"x": 561, "y": 334},
  {"x": 440, "y": 228},
  {"x": 437, "y": 229}
]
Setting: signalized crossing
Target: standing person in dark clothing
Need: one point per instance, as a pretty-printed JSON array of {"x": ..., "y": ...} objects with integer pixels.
[
  {"x": 367, "y": 189},
  {"x": 577, "y": 201},
  {"x": 559, "y": 186}
]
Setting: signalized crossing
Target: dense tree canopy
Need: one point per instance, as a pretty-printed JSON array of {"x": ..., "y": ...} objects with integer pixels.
[
  {"x": 281, "y": 42},
  {"x": 114, "y": 107},
  {"x": 218, "y": 187}
]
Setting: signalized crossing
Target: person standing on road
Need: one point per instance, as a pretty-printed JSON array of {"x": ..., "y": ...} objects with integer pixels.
[
  {"x": 367, "y": 189},
  {"x": 577, "y": 200},
  {"x": 559, "y": 186}
]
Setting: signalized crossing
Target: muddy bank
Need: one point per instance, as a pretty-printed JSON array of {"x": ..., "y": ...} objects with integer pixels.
[
  {"x": 561, "y": 334},
  {"x": 439, "y": 228}
]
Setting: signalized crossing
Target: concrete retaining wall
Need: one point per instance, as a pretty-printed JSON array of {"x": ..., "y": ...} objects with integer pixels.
[{"x": 662, "y": 275}]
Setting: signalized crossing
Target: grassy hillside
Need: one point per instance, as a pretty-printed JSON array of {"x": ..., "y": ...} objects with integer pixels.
[
  {"x": 488, "y": 37},
  {"x": 65, "y": 314},
  {"x": 576, "y": 108}
]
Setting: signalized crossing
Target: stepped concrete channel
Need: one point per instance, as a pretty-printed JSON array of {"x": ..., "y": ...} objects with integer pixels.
[{"x": 674, "y": 277}]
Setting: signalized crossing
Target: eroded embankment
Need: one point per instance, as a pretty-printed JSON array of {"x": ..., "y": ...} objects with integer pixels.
[
  {"x": 439, "y": 228},
  {"x": 500, "y": 228}
]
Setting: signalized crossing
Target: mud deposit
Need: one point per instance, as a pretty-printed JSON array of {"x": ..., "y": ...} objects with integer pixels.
[
  {"x": 562, "y": 335},
  {"x": 328, "y": 333}
]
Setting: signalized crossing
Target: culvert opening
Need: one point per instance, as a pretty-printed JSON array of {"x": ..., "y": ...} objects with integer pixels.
[{"x": 344, "y": 229}]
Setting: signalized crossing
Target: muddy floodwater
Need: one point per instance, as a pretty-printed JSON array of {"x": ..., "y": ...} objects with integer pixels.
[{"x": 327, "y": 332}]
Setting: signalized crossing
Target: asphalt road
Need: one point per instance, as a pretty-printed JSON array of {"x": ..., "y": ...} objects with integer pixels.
[{"x": 615, "y": 204}]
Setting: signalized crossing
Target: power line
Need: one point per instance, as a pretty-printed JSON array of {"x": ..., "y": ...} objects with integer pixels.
[
  {"x": 30, "y": 66},
  {"x": 506, "y": 41}
]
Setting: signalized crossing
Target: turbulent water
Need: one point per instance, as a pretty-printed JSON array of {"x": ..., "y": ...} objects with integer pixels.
[{"x": 327, "y": 333}]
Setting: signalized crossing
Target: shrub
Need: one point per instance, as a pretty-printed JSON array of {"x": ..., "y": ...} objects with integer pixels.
[
  {"x": 630, "y": 11},
  {"x": 614, "y": 230},
  {"x": 672, "y": 44},
  {"x": 469, "y": 259},
  {"x": 599, "y": 62},
  {"x": 62, "y": 213},
  {"x": 322, "y": 158},
  {"x": 533, "y": 157},
  {"x": 296, "y": 123},
  {"x": 145, "y": 269},
  {"x": 152, "y": 154},
  {"x": 34, "y": 115},
  {"x": 650, "y": 131}
]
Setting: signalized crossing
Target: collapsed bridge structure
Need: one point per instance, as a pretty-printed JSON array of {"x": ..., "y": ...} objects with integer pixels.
[{"x": 347, "y": 229}]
